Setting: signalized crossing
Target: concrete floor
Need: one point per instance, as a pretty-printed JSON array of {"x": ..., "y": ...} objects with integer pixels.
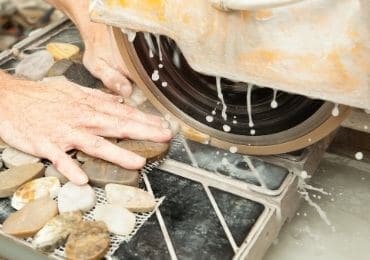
[{"x": 307, "y": 236}]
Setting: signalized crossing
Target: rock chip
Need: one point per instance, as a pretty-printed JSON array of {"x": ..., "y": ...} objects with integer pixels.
[
  {"x": 59, "y": 68},
  {"x": 13, "y": 157},
  {"x": 150, "y": 150},
  {"x": 51, "y": 171},
  {"x": 31, "y": 218},
  {"x": 133, "y": 199},
  {"x": 119, "y": 220},
  {"x": 101, "y": 172},
  {"x": 35, "y": 189},
  {"x": 56, "y": 231},
  {"x": 72, "y": 197},
  {"x": 11, "y": 179},
  {"x": 90, "y": 240},
  {"x": 35, "y": 66},
  {"x": 61, "y": 50}
]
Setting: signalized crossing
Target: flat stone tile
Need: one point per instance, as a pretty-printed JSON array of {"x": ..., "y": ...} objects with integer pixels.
[
  {"x": 240, "y": 214},
  {"x": 228, "y": 164},
  {"x": 193, "y": 226}
]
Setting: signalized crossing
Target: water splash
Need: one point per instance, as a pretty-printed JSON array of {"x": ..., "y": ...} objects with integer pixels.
[
  {"x": 255, "y": 172},
  {"x": 158, "y": 39},
  {"x": 221, "y": 97},
  {"x": 274, "y": 104},
  {"x": 249, "y": 104},
  {"x": 194, "y": 162},
  {"x": 335, "y": 111},
  {"x": 155, "y": 75}
]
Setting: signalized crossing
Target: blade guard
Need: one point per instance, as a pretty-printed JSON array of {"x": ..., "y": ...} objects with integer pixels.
[{"x": 319, "y": 48}]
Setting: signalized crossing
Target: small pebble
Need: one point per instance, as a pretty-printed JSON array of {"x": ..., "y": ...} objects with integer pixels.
[
  {"x": 60, "y": 50},
  {"x": 56, "y": 231},
  {"x": 89, "y": 240},
  {"x": 72, "y": 197},
  {"x": 134, "y": 199},
  {"x": 31, "y": 218},
  {"x": 13, "y": 178},
  {"x": 150, "y": 150},
  {"x": 35, "y": 66},
  {"x": 35, "y": 189},
  {"x": 119, "y": 220},
  {"x": 13, "y": 157}
]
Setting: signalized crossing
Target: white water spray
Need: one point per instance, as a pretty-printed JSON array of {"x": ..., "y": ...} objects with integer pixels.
[
  {"x": 158, "y": 38},
  {"x": 335, "y": 111},
  {"x": 249, "y": 104},
  {"x": 274, "y": 104},
  {"x": 254, "y": 171},
  {"x": 221, "y": 97}
]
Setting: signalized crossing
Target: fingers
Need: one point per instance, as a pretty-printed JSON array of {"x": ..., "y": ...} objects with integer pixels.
[
  {"x": 66, "y": 166},
  {"x": 113, "y": 79},
  {"x": 125, "y": 111},
  {"x": 99, "y": 147},
  {"x": 111, "y": 126}
]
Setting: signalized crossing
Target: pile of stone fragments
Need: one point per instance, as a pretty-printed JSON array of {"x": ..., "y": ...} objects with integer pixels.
[{"x": 19, "y": 17}]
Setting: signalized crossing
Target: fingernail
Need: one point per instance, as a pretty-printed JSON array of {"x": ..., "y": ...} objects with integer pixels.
[
  {"x": 140, "y": 160},
  {"x": 82, "y": 180}
]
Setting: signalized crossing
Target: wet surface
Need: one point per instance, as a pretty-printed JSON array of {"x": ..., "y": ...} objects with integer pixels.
[
  {"x": 5, "y": 209},
  {"x": 240, "y": 214},
  {"x": 192, "y": 224},
  {"x": 148, "y": 243},
  {"x": 231, "y": 165}
]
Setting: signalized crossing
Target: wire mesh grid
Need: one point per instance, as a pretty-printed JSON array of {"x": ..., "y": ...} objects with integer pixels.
[{"x": 115, "y": 240}]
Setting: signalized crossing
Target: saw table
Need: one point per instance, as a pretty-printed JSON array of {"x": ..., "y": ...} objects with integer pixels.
[{"x": 215, "y": 206}]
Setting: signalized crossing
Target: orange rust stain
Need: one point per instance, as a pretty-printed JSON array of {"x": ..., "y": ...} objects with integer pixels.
[
  {"x": 261, "y": 56},
  {"x": 326, "y": 73},
  {"x": 152, "y": 8},
  {"x": 27, "y": 191}
]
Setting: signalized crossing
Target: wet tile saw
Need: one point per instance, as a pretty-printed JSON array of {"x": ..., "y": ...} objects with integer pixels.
[{"x": 259, "y": 76}]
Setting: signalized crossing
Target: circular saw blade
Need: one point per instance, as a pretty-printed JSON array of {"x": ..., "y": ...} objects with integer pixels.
[{"x": 318, "y": 125}]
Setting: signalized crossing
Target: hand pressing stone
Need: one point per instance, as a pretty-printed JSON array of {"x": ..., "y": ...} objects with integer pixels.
[
  {"x": 83, "y": 157},
  {"x": 131, "y": 198},
  {"x": 13, "y": 157},
  {"x": 72, "y": 197},
  {"x": 102, "y": 172},
  {"x": 53, "y": 117},
  {"x": 56, "y": 231},
  {"x": 35, "y": 189},
  {"x": 90, "y": 240},
  {"x": 11, "y": 179},
  {"x": 150, "y": 150},
  {"x": 119, "y": 220},
  {"x": 31, "y": 218}
]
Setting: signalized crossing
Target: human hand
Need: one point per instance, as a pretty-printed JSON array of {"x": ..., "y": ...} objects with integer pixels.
[{"x": 49, "y": 118}]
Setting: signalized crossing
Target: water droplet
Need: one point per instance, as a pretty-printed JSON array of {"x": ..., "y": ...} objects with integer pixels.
[
  {"x": 209, "y": 119},
  {"x": 155, "y": 75},
  {"x": 164, "y": 84},
  {"x": 253, "y": 132},
  {"x": 335, "y": 111},
  {"x": 359, "y": 156},
  {"x": 235, "y": 122},
  {"x": 160, "y": 65},
  {"x": 233, "y": 149},
  {"x": 274, "y": 104},
  {"x": 226, "y": 128}
]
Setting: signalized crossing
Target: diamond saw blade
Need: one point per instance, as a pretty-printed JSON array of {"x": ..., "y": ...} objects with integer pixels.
[{"x": 247, "y": 118}]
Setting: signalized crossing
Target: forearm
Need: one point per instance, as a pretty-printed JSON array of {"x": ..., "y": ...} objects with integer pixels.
[{"x": 78, "y": 12}]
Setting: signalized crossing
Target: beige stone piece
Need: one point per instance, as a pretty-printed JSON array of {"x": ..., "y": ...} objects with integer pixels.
[
  {"x": 11, "y": 179},
  {"x": 3, "y": 145},
  {"x": 150, "y": 150},
  {"x": 90, "y": 240},
  {"x": 134, "y": 199},
  {"x": 101, "y": 172},
  {"x": 61, "y": 51},
  {"x": 56, "y": 231},
  {"x": 13, "y": 157},
  {"x": 31, "y": 218},
  {"x": 35, "y": 189},
  {"x": 83, "y": 157},
  {"x": 51, "y": 171}
]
